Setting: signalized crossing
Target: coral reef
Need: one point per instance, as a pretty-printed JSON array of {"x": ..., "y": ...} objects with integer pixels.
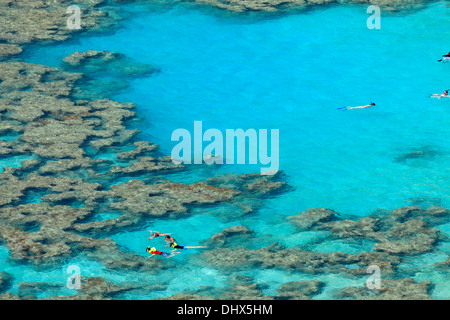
[
  {"x": 279, "y": 5},
  {"x": 402, "y": 289},
  {"x": 396, "y": 235},
  {"x": 5, "y": 279},
  {"x": 46, "y": 20},
  {"x": 63, "y": 136},
  {"x": 106, "y": 62},
  {"x": 26, "y": 22},
  {"x": 242, "y": 287},
  {"x": 64, "y": 129},
  {"x": 406, "y": 230}
]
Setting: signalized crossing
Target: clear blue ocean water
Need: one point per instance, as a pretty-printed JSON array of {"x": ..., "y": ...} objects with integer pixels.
[{"x": 290, "y": 73}]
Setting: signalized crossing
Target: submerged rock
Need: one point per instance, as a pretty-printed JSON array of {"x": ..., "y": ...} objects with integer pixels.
[
  {"x": 262, "y": 5},
  {"x": 5, "y": 281},
  {"x": 406, "y": 230},
  {"x": 33, "y": 289},
  {"x": 146, "y": 165},
  {"x": 38, "y": 104},
  {"x": 425, "y": 153},
  {"x": 299, "y": 290},
  {"x": 402, "y": 289},
  {"x": 242, "y": 287},
  {"x": 106, "y": 63},
  {"x": 166, "y": 198},
  {"x": 78, "y": 58},
  {"x": 142, "y": 148},
  {"x": 9, "y": 50},
  {"x": 63, "y": 137},
  {"x": 236, "y": 235},
  {"x": 313, "y": 218},
  {"x": 276, "y": 256},
  {"x": 443, "y": 265}
]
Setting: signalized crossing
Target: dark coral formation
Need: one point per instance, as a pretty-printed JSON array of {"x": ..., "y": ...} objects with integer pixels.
[
  {"x": 402, "y": 289},
  {"x": 65, "y": 138},
  {"x": 230, "y": 237},
  {"x": 396, "y": 235},
  {"x": 91, "y": 288},
  {"x": 407, "y": 230},
  {"x": 285, "y": 5},
  {"x": 58, "y": 132},
  {"x": 98, "y": 65},
  {"x": 25, "y": 22},
  {"x": 293, "y": 259},
  {"x": 5, "y": 280},
  {"x": 241, "y": 287}
]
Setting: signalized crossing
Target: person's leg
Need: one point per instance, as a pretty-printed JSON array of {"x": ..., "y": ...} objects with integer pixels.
[{"x": 172, "y": 254}]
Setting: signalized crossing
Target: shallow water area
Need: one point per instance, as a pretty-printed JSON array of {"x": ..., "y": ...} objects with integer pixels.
[{"x": 290, "y": 73}]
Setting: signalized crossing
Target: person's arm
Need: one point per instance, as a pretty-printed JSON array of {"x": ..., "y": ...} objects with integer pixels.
[{"x": 151, "y": 256}]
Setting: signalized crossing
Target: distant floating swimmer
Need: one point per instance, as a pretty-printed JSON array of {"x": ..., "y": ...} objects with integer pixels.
[
  {"x": 444, "y": 94},
  {"x": 445, "y": 58},
  {"x": 154, "y": 252},
  {"x": 358, "y": 107}
]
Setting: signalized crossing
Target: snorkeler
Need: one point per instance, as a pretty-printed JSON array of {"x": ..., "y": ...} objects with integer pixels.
[
  {"x": 444, "y": 94},
  {"x": 171, "y": 242},
  {"x": 156, "y": 234},
  {"x": 358, "y": 107},
  {"x": 445, "y": 57},
  {"x": 153, "y": 252}
]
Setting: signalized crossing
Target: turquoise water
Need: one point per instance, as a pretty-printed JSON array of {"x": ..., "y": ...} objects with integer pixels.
[
  {"x": 14, "y": 161},
  {"x": 291, "y": 73}
]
